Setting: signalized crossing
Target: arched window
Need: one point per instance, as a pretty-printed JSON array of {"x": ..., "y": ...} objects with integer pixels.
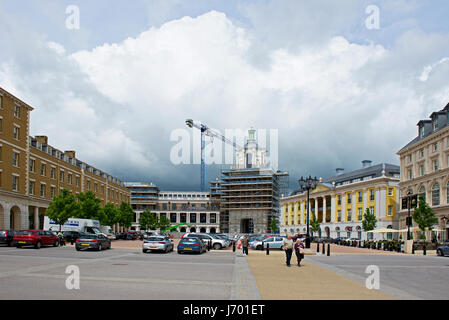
[{"x": 436, "y": 194}]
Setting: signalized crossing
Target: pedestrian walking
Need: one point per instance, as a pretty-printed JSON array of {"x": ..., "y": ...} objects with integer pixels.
[
  {"x": 245, "y": 245},
  {"x": 287, "y": 245},
  {"x": 299, "y": 255}
]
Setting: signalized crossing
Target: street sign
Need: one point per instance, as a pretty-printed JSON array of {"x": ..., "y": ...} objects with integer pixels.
[{"x": 408, "y": 221}]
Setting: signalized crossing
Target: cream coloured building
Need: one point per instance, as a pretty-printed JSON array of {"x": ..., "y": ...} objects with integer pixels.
[
  {"x": 425, "y": 168},
  {"x": 339, "y": 203}
]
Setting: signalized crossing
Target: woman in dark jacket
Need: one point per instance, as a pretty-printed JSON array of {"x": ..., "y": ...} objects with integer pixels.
[{"x": 297, "y": 247}]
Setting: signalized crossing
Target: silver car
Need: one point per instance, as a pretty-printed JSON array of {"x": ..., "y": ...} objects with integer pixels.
[{"x": 157, "y": 243}]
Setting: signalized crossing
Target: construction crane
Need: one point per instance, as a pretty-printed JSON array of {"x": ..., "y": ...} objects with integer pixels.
[{"x": 205, "y": 130}]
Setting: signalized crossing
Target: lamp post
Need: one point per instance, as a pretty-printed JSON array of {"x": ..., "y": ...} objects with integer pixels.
[
  {"x": 444, "y": 219},
  {"x": 410, "y": 198},
  {"x": 308, "y": 184}
]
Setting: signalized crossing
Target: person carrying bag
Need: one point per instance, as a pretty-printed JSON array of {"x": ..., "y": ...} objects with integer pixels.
[{"x": 299, "y": 255}]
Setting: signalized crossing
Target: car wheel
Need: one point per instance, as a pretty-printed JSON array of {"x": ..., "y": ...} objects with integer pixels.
[
  {"x": 56, "y": 244},
  {"x": 217, "y": 246},
  {"x": 38, "y": 245},
  {"x": 259, "y": 248},
  {"x": 179, "y": 252},
  {"x": 440, "y": 253},
  {"x": 77, "y": 249},
  {"x": 99, "y": 247},
  {"x": 144, "y": 251}
]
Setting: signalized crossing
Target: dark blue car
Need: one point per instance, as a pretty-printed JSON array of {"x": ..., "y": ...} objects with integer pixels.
[
  {"x": 6, "y": 237},
  {"x": 444, "y": 249},
  {"x": 190, "y": 244}
]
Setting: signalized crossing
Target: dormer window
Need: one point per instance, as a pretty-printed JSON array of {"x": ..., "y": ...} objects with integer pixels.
[
  {"x": 421, "y": 131},
  {"x": 435, "y": 123}
]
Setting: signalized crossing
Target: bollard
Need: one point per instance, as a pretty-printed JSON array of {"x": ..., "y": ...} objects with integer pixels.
[
  {"x": 424, "y": 250},
  {"x": 324, "y": 249},
  {"x": 268, "y": 249},
  {"x": 413, "y": 248},
  {"x": 208, "y": 245},
  {"x": 263, "y": 246},
  {"x": 233, "y": 247},
  {"x": 328, "y": 249},
  {"x": 317, "y": 247},
  {"x": 391, "y": 246}
]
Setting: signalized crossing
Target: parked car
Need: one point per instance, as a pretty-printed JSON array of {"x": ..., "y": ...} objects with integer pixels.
[
  {"x": 6, "y": 237},
  {"x": 274, "y": 242},
  {"x": 92, "y": 241},
  {"x": 444, "y": 249},
  {"x": 157, "y": 243},
  {"x": 191, "y": 244},
  {"x": 36, "y": 238},
  {"x": 216, "y": 242}
]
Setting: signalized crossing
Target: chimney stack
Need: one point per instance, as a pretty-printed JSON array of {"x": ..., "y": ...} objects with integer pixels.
[
  {"x": 42, "y": 139},
  {"x": 340, "y": 171},
  {"x": 70, "y": 153},
  {"x": 366, "y": 163}
]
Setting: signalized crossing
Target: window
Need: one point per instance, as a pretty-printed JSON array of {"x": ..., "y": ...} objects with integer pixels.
[
  {"x": 422, "y": 192},
  {"x": 173, "y": 206},
  {"x": 15, "y": 159},
  {"x": 32, "y": 165},
  {"x": 371, "y": 195},
  {"x": 52, "y": 192},
  {"x": 213, "y": 218},
  {"x": 421, "y": 131},
  {"x": 339, "y": 200},
  {"x": 17, "y": 111},
  {"x": 164, "y": 206},
  {"x": 77, "y": 182},
  {"x": 15, "y": 183},
  {"x": 421, "y": 170},
  {"x": 349, "y": 197},
  {"x": 371, "y": 209},
  {"x": 360, "y": 196},
  {"x": 31, "y": 187},
  {"x": 422, "y": 153},
  {"x": 43, "y": 169},
  {"x": 360, "y": 216},
  {"x": 183, "y": 217},
  {"x": 349, "y": 215},
  {"x": 203, "y": 218},
  {"x": 435, "y": 124},
  {"x": 409, "y": 158},
  {"x": 435, "y": 146},
  {"x": 436, "y": 194},
  {"x": 16, "y": 133},
  {"x": 52, "y": 173},
  {"x": 410, "y": 174},
  {"x": 339, "y": 216},
  {"x": 390, "y": 192},
  {"x": 435, "y": 165},
  {"x": 390, "y": 211},
  {"x": 42, "y": 189},
  {"x": 193, "y": 217},
  {"x": 61, "y": 176},
  {"x": 69, "y": 178},
  {"x": 173, "y": 217}
]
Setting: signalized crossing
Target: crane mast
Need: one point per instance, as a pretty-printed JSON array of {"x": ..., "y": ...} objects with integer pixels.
[{"x": 205, "y": 130}]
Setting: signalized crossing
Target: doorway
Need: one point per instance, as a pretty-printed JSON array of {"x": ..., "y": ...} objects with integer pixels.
[{"x": 246, "y": 226}]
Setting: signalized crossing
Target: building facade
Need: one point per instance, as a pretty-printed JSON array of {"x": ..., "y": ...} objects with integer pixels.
[
  {"x": 193, "y": 211},
  {"x": 32, "y": 172},
  {"x": 339, "y": 203},
  {"x": 425, "y": 169}
]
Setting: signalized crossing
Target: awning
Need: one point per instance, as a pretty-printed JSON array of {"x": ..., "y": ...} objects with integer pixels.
[{"x": 383, "y": 230}]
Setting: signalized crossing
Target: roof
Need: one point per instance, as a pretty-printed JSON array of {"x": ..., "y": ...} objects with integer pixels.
[{"x": 374, "y": 171}]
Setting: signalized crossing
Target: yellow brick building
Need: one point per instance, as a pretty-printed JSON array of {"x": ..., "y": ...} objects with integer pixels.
[
  {"x": 32, "y": 172},
  {"x": 339, "y": 202}
]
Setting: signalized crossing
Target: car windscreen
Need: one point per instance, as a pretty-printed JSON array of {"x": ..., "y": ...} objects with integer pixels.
[
  {"x": 155, "y": 239},
  {"x": 189, "y": 240},
  {"x": 25, "y": 232}
]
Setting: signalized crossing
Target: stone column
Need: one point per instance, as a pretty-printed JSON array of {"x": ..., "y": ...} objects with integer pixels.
[
  {"x": 316, "y": 208},
  {"x": 333, "y": 217},
  {"x": 36, "y": 217},
  {"x": 324, "y": 209}
]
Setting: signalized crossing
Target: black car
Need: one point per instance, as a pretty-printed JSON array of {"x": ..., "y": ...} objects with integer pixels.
[
  {"x": 92, "y": 241},
  {"x": 444, "y": 249},
  {"x": 6, "y": 237},
  {"x": 71, "y": 236}
]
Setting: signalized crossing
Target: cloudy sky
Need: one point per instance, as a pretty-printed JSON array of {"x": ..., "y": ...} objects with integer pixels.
[{"x": 115, "y": 89}]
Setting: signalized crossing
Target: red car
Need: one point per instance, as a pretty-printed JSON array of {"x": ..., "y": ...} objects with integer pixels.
[{"x": 35, "y": 238}]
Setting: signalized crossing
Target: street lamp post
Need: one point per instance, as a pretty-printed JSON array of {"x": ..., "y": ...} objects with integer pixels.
[{"x": 308, "y": 184}]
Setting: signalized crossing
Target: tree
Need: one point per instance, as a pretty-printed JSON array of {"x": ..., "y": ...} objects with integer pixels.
[
  {"x": 314, "y": 224},
  {"x": 424, "y": 216},
  {"x": 90, "y": 207},
  {"x": 126, "y": 215},
  {"x": 148, "y": 220},
  {"x": 63, "y": 207},
  {"x": 369, "y": 221},
  {"x": 273, "y": 225},
  {"x": 164, "y": 223},
  {"x": 110, "y": 215}
]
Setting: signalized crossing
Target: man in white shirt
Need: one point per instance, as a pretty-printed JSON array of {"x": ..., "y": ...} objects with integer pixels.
[{"x": 287, "y": 245}]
